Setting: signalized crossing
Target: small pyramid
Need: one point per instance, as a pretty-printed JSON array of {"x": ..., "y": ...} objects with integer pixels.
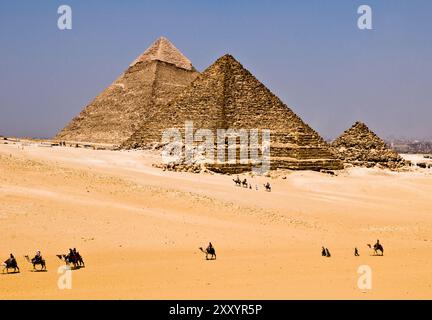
[
  {"x": 152, "y": 80},
  {"x": 362, "y": 147},
  {"x": 227, "y": 96}
]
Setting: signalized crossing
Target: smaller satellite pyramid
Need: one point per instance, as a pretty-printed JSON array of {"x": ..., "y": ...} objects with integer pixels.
[
  {"x": 152, "y": 80},
  {"x": 226, "y": 96},
  {"x": 361, "y": 147}
]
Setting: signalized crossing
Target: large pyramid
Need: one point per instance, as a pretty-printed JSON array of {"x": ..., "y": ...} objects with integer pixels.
[
  {"x": 227, "y": 96},
  {"x": 360, "y": 146},
  {"x": 153, "y": 79}
]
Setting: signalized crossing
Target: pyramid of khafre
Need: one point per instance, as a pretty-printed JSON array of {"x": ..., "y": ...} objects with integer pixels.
[
  {"x": 227, "y": 96},
  {"x": 360, "y": 146},
  {"x": 153, "y": 79}
]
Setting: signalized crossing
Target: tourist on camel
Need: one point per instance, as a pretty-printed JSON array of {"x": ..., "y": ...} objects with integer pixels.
[{"x": 38, "y": 257}]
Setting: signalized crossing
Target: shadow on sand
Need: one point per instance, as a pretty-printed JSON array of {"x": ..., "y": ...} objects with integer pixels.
[
  {"x": 77, "y": 267},
  {"x": 6, "y": 273}
]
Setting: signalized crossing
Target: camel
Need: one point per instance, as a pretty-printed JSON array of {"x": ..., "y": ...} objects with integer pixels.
[
  {"x": 36, "y": 262},
  {"x": 240, "y": 183},
  {"x": 377, "y": 247},
  {"x": 209, "y": 251},
  {"x": 77, "y": 261},
  {"x": 237, "y": 181},
  {"x": 267, "y": 187},
  {"x": 245, "y": 183},
  {"x": 10, "y": 264}
]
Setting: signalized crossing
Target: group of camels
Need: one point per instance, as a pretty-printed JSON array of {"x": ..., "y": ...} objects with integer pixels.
[
  {"x": 75, "y": 260},
  {"x": 377, "y": 247},
  {"x": 378, "y": 251},
  {"x": 244, "y": 183},
  {"x": 11, "y": 263}
]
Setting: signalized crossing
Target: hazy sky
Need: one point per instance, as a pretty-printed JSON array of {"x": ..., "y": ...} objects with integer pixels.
[{"x": 310, "y": 53}]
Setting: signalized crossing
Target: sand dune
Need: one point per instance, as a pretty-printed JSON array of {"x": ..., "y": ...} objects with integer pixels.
[{"x": 139, "y": 229}]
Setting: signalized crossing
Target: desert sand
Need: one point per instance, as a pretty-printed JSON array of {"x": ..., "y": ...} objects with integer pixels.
[{"x": 139, "y": 229}]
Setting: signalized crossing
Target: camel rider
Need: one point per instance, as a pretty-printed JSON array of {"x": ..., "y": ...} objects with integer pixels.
[
  {"x": 377, "y": 244},
  {"x": 76, "y": 253},
  {"x": 70, "y": 255},
  {"x": 38, "y": 256},
  {"x": 11, "y": 259},
  {"x": 210, "y": 246}
]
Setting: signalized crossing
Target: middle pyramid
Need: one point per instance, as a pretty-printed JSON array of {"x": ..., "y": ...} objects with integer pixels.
[
  {"x": 227, "y": 96},
  {"x": 152, "y": 80}
]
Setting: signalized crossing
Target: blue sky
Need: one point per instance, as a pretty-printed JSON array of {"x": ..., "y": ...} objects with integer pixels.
[{"x": 310, "y": 53}]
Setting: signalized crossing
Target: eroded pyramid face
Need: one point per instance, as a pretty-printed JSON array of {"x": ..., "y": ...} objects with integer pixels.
[
  {"x": 153, "y": 79},
  {"x": 361, "y": 147}
]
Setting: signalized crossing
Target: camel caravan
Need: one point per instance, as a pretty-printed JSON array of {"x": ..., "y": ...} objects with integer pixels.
[
  {"x": 73, "y": 257},
  {"x": 378, "y": 250},
  {"x": 39, "y": 265},
  {"x": 76, "y": 261},
  {"x": 245, "y": 184}
]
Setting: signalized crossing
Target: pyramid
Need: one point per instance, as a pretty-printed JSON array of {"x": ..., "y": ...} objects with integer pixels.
[
  {"x": 153, "y": 79},
  {"x": 361, "y": 147},
  {"x": 227, "y": 96}
]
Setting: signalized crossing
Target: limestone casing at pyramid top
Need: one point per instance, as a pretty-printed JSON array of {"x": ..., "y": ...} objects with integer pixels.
[{"x": 163, "y": 50}]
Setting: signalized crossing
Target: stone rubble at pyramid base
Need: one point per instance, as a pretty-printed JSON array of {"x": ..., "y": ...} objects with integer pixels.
[
  {"x": 384, "y": 164},
  {"x": 182, "y": 167},
  {"x": 326, "y": 166},
  {"x": 231, "y": 169},
  {"x": 370, "y": 157},
  {"x": 298, "y": 165},
  {"x": 201, "y": 164}
]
